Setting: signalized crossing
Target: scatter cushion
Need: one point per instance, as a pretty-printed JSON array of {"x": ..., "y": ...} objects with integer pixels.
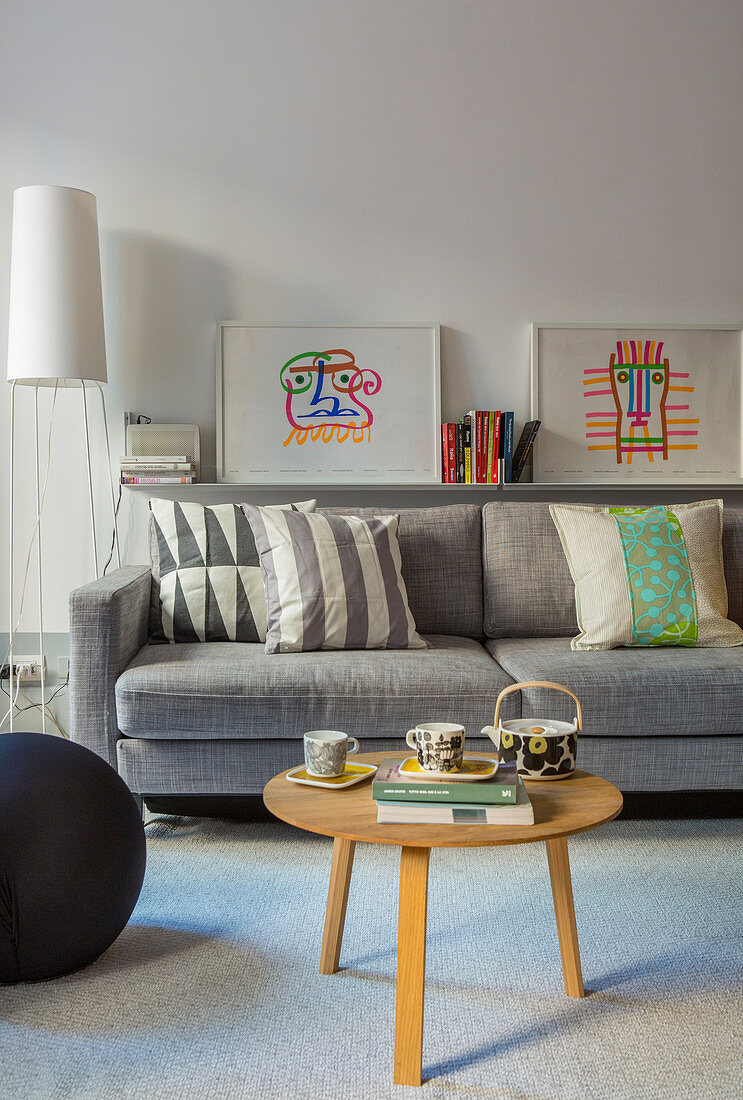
[
  {"x": 647, "y": 576},
  {"x": 206, "y": 563},
  {"x": 332, "y": 582}
]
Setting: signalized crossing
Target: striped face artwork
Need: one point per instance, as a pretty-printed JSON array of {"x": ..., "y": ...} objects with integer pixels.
[{"x": 650, "y": 417}]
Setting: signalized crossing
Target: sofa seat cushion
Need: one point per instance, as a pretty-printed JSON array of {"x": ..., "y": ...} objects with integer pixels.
[
  {"x": 236, "y": 690},
  {"x": 625, "y": 692}
]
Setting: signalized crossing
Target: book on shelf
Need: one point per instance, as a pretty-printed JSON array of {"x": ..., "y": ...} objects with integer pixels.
[
  {"x": 157, "y": 468},
  {"x": 492, "y": 465},
  {"x": 457, "y": 813},
  {"x": 460, "y": 453},
  {"x": 157, "y": 479},
  {"x": 506, "y": 445},
  {"x": 390, "y": 785},
  {"x": 452, "y": 444},
  {"x": 151, "y": 460},
  {"x": 445, "y": 453},
  {"x": 523, "y": 448},
  {"x": 473, "y": 448},
  {"x": 467, "y": 447}
]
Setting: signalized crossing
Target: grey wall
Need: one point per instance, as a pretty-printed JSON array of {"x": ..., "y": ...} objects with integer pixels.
[{"x": 475, "y": 162}]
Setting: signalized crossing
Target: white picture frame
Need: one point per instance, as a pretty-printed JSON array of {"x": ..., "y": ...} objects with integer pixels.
[
  {"x": 309, "y": 402},
  {"x": 673, "y": 415}
]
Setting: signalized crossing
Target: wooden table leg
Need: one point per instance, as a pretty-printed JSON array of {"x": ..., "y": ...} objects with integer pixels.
[
  {"x": 335, "y": 912},
  {"x": 567, "y": 933},
  {"x": 411, "y": 965}
]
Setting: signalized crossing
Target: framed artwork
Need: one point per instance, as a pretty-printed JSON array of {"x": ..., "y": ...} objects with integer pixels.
[
  {"x": 328, "y": 403},
  {"x": 651, "y": 404}
]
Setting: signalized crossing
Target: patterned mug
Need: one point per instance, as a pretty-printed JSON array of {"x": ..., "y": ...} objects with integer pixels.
[
  {"x": 439, "y": 745},
  {"x": 325, "y": 752}
]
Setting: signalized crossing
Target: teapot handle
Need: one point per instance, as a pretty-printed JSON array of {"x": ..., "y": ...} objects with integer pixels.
[{"x": 537, "y": 684}]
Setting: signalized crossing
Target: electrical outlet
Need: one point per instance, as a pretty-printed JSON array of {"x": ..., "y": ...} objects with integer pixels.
[
  {"x": 27, "y": 669},
  {"x": 63, "y": 668}
]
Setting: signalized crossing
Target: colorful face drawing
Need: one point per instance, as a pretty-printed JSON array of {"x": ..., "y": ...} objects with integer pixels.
[
  {"x": 322, "y": 397},
  {"x": 640, "y": 391},
  {"x": 640, "y": 383}
]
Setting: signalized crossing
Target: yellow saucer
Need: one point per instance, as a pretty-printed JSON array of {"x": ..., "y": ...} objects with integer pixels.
[{"x": 354, "y": 773}]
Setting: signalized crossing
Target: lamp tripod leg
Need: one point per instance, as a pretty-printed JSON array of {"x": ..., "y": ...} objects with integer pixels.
[
  {"x": 110, "y": 476},
  {"x": 90, "y": 482},
  {"x": 11, "y": 609},
  {"x": 38, "y": 559}
]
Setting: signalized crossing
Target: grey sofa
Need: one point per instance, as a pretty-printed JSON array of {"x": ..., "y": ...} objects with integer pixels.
[{"x": 490, "y": 591}]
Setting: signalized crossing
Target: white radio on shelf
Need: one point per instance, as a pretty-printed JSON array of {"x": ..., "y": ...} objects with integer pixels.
[{"x": 165, "y": 439}]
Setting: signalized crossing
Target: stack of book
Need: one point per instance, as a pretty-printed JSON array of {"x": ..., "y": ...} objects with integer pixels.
[
  {"x": 500, "y": 800},
  {"x": 479, "y": 448},
  {"x": 157, "y": 470}
]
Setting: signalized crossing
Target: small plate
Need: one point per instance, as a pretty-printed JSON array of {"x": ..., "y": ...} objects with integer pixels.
[
  {"x": 354, "y": 773},
  {"x": 473, "y": 769}
]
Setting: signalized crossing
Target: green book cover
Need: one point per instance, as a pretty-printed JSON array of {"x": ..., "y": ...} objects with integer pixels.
[{"x": 390, "y": 786}]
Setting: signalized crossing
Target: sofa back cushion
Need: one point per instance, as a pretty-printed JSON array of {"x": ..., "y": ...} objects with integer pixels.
[
  {"x": 441, "y": 551},
  {"x": 732, "y": 560},
  {"x": 529, "y": 592}
]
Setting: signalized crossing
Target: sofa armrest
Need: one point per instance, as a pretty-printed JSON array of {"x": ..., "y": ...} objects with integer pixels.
[{"x": 108, "y": 626}]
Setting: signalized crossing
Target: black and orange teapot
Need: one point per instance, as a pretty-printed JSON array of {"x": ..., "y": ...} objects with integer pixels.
[{"x": 543, "y": 748}]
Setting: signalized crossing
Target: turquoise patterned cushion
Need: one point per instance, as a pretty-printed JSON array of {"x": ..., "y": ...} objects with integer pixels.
[{"x": 647, "y": 576}]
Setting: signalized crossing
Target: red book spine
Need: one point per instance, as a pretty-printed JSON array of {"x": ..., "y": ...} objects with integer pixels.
[
  {"x": 445, "y": 453},
  {"x": 496, "y": 448},
  {"x": 483, "y": 447},
  {"x": 452, "y": 439}
]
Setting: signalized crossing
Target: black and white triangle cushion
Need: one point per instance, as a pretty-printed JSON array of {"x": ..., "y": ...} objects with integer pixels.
[{"x": 204, "y": 557}]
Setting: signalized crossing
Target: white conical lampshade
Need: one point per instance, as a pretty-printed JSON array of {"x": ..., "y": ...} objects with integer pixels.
[{"x": 56, "y": 307}]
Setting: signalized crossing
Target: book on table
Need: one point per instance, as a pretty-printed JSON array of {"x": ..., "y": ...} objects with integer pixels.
[
  {"x": 390, "y": 785},
  {"x": 457, "y": 813}
]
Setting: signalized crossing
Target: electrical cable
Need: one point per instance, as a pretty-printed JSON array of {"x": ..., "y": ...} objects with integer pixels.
[
  {"x": 50, "y": 716},
  {"x": 13, "y": 705},
  {"x": 113, "y": 537},
  {"x": 36, "y": 706}
]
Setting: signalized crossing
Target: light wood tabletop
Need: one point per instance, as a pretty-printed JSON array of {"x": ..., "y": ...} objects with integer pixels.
[{"x": 561, "y": 809}]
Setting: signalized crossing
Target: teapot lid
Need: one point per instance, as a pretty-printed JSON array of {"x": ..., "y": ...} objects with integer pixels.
[{"x": 541, "y": 727}]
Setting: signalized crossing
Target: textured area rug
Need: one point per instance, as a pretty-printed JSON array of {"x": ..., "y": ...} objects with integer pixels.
[{"x": 213, "y": 989}]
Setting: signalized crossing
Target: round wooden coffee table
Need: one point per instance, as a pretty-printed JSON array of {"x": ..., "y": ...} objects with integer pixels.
[{"x": 561, "y": 809}]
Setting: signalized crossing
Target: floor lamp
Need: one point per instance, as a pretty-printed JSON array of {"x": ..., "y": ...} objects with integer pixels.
[{"x": 55, "y": 339}]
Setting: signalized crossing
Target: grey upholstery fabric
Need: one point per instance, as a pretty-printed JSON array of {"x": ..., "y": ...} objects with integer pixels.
[
  {"x": 233, "y": 690},
  {"x": 528, "y": 590},
  {"x": 225, "y": 767},
  {"x": 662, "y": 692},
  {"x": 441, "y": 551},
  {"x": 244, "y": 767},
  {"x": 108, "y": 626}
]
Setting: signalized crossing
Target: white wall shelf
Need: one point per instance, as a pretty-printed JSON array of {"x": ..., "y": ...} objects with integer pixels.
[
  {"x": 272, "y": 486},
  {"x": 514, "y": 487}
]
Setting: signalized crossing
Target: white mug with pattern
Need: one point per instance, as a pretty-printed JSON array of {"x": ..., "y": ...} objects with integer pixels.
[
  {"x": 325, "y": 752},
  {"x": 439, "y": 745}
]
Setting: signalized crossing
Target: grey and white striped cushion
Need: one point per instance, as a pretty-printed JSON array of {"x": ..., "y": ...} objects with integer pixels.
[
  {"x": 332, "y": 582},
  {"x": 206, "y": 562}
]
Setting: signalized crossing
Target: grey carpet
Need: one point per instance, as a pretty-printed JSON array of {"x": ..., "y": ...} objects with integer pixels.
[{"x": 212, "y": 991}]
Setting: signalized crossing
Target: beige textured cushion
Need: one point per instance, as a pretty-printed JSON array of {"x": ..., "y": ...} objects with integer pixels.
[{"x": 647, "y": 576}]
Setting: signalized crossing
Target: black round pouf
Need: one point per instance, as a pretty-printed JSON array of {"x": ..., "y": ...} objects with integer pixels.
[{"x": 72, "y": 856}]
